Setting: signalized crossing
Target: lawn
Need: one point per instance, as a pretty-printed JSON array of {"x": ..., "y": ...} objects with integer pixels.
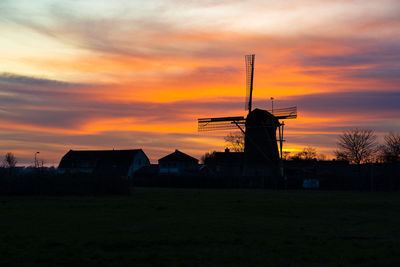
[{"x": 202, "y": 227}]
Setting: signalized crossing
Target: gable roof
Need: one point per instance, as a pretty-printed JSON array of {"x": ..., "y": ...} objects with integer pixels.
[
  {"x": 97, "y": 157},
  {"x": 179, "y": 156}
]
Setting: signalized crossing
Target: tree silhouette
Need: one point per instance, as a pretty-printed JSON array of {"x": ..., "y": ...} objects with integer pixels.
[
  {"x": 390, "y": 151},
  {"x": 9, "y": 160},
  {"x": 286, "y": 155},
  {"x": 308, "y": 153},
  {"x": 235, "y": 142},
  {"x": 207, "y": 156},
  {"x": 357, "y": 146}
]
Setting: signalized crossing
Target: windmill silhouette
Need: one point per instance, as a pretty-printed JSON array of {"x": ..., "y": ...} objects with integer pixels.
[{"x": 259, "y": 127}]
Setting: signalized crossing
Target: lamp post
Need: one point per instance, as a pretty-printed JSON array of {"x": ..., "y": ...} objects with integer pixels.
[
  {"x": 36, "y": 163},
  {"x": 272, "y": 102}
]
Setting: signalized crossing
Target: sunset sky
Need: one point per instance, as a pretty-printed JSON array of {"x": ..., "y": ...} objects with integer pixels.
[{"x": 97, "y": 74}]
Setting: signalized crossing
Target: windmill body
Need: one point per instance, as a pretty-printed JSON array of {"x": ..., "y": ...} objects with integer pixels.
[
  {"x": 260, "y": 138},
  {"x": 261, "y": 152}
]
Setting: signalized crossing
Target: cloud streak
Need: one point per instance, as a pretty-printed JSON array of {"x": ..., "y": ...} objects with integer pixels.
[{"x": 69, "y": 111}]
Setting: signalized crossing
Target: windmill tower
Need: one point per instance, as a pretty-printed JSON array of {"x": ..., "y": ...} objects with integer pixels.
[{"x": 259, "y": 127}]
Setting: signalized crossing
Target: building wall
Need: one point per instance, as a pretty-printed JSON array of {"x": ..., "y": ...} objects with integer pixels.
[
  {"x": 168, "y": 167},
  {"x": 177, "y": 167},
  {"x": 90, "y": 165},
  {"x": 75, "y": 170},
  {"x": 138, "y": 162}
]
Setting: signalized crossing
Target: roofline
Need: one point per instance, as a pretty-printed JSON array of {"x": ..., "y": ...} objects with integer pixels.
[
  {"x": 97, "y": 150},
  {"x": 176, "y": 150}
]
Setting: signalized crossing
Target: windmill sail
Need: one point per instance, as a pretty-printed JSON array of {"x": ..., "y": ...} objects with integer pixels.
[
  {"x": 222, "y": 123},
  {"x": 284, "y": 113},
  {"x": 249, "y": 80}
]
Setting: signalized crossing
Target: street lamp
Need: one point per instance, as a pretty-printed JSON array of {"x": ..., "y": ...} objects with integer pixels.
[
  {"x": 272, "y": 102},
  {"x": 36, "y": 163}
]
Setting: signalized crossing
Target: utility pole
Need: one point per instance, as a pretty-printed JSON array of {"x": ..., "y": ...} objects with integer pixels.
[{"x": 36, "y": 162}]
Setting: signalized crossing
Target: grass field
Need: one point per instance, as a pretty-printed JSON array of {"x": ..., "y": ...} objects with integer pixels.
[{"x": 202, "y": 227}]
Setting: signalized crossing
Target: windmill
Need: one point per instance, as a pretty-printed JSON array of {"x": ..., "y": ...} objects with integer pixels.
[{"x": 259, "y": 127}]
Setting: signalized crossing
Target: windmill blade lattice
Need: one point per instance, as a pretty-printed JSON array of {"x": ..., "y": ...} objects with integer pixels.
[
  {"x": 221, "y": 124},
  {"x": 285, "y": 113},
  {"x": 249, "y": 59}
]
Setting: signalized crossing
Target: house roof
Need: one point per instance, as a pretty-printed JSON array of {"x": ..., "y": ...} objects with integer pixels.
[
  {"x": 99, "y": 157},
  {"x": 178, "y": 156}
]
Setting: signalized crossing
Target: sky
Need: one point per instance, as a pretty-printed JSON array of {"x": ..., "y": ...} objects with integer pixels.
[{"x": 99, "y": 74}]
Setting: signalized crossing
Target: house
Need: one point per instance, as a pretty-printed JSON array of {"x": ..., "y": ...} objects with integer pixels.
[
  {"x": 178, "y": 163},
  {"x": 116, "y": 162}
]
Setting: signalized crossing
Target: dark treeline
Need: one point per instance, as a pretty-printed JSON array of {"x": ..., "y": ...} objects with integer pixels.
[
  {"x": 332, "y": 175},
  {"x": 336, "y": 175},
  {"x": 52, "y": 184}
]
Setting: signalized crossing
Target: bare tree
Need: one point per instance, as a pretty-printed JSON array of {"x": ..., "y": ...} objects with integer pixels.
[
  {"x": 308, "y": 153},
  {"x": 9, "y": 160},
  {"x": 286, "y": 155},
  {"x": 207, "y": 156},
  {"x": 390, "y": 151},
  {"x": 321, "y": 157},
  {"x": 235, "y": 142},
  {"x": 357, "y": 146}
]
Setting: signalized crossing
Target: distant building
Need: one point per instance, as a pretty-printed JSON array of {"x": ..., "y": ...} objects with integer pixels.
[
  {"x": 224, "y": 164},
  {"x": 178, "y": 163},
  {"x": 115, "y": 162},
  {"x": 234, "y": 164}
]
